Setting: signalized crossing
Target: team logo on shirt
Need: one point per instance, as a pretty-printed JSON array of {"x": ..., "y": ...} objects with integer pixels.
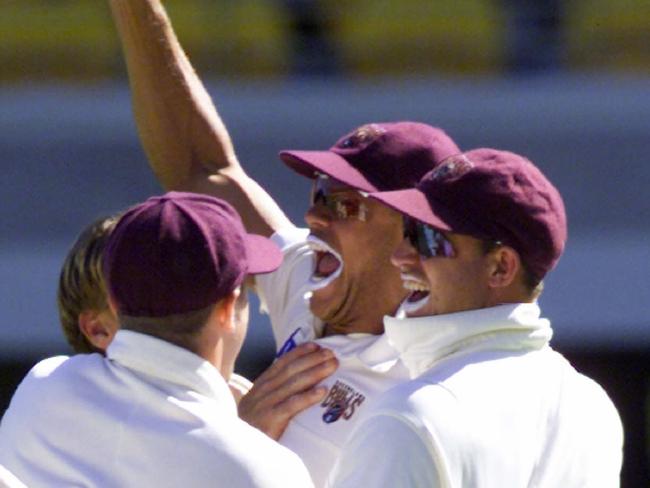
[{"x": 341, "y": 402}]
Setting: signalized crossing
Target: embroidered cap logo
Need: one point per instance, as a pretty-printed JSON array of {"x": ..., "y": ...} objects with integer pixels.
[
  {"x": 364, "y": 135},
  {"x": 451, "y": 168}
]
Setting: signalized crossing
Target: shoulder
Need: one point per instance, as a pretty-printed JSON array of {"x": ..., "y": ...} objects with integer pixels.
[
  {"x": 32, "y": 403},
  {"x": 42, "y": 374},
  {"x": 409, "y": 456},
  {"x": 290, "y": 237},
  {"x": 416, "y": 398},
  {"x": 419, "y": 410},
  {"x": 46, "y": 367},
  {"x": 53, "y": 378},
  {"x": 253, "y": 458},
  {"x": 60, "y": 370},
  {"x": 585, "y": 404}
]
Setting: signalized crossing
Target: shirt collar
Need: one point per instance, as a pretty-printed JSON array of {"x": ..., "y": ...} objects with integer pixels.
[
  {"x": 423, "y": 341},
  {"x": 375, "y": 352},
  {"x": 168, "y": 362}
]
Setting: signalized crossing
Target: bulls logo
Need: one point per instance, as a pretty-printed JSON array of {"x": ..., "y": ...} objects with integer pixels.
[
  {"x": 341, "y": 402},
  {"x": 334, "y": 412}
]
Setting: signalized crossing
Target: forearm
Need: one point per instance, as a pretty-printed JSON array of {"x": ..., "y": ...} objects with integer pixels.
[
  {"x": 185, "y": 140},
  {"x": 180, "y": 129}
]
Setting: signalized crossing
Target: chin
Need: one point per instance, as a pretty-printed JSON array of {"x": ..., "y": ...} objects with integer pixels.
[{"x": 412, "y": 309}]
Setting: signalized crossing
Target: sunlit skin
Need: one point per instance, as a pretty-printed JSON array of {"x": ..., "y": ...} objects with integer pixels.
[
  {"x": 368, "y": 287},
  {"x": 234, "y": 341},
  {"x": 463, "y": 282},
  {"x": 99, "y": 327}
]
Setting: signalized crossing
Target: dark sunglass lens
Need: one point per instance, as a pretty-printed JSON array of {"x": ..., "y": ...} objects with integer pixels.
[
  {"x": 414, "y": 233},
  {"x": 409, "y": 230},
  {"x": 319, "y": 197},
  {"x": 430, "y": 240},
  {"x": 319, "y": 192},
  {"x": 424, "y": 241}
]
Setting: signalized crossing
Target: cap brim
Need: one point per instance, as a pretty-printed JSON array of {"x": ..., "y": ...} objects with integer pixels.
[
  {"x": 308, "y": 163},
  {"x": 263, "y": 255},
  {"x": 413, "y": 203}
]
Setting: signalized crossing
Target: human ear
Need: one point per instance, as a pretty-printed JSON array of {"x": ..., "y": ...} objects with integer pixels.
[
  {"x": 98, "y": 327},
  {"x": 225, "y": 311},
  {"x": 504, "y": 266}
]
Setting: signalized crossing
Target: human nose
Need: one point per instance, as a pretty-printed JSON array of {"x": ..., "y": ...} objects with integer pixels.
[
  {"x": 318, "y": 216},
  {"x": 404, "y": 254}
]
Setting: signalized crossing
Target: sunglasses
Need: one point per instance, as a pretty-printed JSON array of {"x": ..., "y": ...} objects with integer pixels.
[
  {"x": 428, "y": 242},
  {"x": 343, "y": 204}
]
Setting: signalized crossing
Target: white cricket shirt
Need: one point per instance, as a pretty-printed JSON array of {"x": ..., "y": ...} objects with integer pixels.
[
  {"x": 8, "y": 480},
  {"x": 492, "y": 405},
  {"x": 368, "y": 364},
  {"x": 149, "y": 414}
]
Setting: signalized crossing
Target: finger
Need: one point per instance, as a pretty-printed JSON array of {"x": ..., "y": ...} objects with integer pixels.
[
  {"x": 302, "y": 401},
  {"x": 301, "y": 372},
  {"x": 308, "y": 378},
  {"x": 295, "y": 353},
  {"x": 300, "y": 382},
  {"x": 283, "y": 372},
  {"x": 274, "y": 422}
]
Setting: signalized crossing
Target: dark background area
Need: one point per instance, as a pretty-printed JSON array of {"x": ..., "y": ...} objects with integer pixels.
[{"x": 564, "y": 83}]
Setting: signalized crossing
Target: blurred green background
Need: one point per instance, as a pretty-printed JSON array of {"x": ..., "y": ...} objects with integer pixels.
[{"x": 257, "y": 38}]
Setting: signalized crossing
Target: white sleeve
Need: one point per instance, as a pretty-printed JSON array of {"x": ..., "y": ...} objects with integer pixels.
[
  {"x": 282, "y": 293},
  {"x": 385, "y": 451}
]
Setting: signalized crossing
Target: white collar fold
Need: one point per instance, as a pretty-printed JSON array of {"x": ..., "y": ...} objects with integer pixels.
[
  {"x": 374, "y": 351},
  {"x": 423, "y": 341},
  {"x": 160, "y": 359}
]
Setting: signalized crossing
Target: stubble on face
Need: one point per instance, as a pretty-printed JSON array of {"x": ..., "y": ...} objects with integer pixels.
[
  {"x": 368, "y": 287},
  {"x": 454, "y": 284}
]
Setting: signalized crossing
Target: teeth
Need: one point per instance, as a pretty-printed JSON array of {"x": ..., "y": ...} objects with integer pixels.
[
  {"x": 318, "y": 245},
  {"x": 415, "y": 286},
  {"x": 412, "y": 283}
]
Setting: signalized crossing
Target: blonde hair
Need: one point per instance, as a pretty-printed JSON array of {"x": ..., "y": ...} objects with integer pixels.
[{"x": 81, "y": 282}]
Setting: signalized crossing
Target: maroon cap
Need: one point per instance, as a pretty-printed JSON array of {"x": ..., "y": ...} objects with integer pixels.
[
  {"x": 494, "y": 195},
  {"x": 181, "y": 252},
  {"x": 378, "y": 157}
]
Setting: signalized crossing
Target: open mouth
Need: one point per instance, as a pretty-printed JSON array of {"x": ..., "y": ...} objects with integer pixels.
[
  {"x": 327, "y": 263},
  {"x": 418, "y": 296}
]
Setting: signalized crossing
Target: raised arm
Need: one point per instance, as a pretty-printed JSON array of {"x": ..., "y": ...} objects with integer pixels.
[{"x": 185, "y": 140}]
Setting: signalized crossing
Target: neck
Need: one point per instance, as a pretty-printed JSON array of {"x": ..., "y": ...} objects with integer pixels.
[
  {"x": 366, "y": 315},
  {"x": 515, "y": 293},
  {"x": 210, "y": 346}
]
